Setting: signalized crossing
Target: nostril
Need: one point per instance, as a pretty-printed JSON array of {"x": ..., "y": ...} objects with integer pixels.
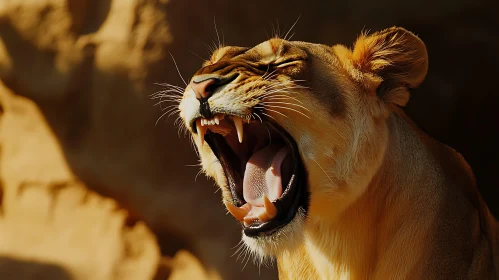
[
  {"x": 210, "y": 89},
  {"x": 204, "y": 86}
]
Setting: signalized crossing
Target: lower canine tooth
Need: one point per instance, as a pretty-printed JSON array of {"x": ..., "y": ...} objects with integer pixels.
[
  {"x": 238, "y": 212},
  {"x": 270, "y": 208}
]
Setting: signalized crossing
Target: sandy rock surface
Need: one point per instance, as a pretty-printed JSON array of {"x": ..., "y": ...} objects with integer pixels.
[
  {"x": 51, "y": 225},
  {"x": 88, "y": 67}
]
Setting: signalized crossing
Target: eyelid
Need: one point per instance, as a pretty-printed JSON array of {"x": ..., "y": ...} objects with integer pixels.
[{"x": 287, "y": 63}]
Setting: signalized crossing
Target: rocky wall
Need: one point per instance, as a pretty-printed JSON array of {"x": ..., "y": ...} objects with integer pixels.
[{"x": 82, "y": 71}]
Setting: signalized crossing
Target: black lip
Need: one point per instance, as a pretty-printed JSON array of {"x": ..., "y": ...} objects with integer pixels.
[{"x": 294, "y": 196}]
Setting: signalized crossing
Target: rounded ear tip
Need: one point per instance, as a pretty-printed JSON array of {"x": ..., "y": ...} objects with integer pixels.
[{"x": 415, "y": 56}]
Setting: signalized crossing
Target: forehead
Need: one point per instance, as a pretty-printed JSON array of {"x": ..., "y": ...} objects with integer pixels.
[{"x": 267, "y": 51}]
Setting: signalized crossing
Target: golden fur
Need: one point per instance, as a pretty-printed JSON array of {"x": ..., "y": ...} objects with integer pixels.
[{"x": 386, "y": 200}]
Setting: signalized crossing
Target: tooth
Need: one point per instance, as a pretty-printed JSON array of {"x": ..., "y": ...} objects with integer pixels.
[
  {"x": 270, "y": 209},
  {"x": 238, "y": 212},
  {"x": 249, "y": 220},
  {"x": 201, "y": 130},
  {"x": 217, "y": 121},
  {"x": 264, "y": 217},
  {"x": 238, "y": 122}
]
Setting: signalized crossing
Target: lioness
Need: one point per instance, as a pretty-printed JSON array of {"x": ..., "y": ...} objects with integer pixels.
[{"x": 317, "y": 160}]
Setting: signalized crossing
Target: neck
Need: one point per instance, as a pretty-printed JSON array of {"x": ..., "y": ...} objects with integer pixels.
[{"x": 354, "y": 245}]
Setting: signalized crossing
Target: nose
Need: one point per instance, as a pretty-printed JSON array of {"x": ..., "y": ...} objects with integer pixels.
[{"x": 204, "y": 86}]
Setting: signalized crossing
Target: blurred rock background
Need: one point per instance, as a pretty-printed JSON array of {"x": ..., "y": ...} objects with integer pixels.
[{"x": 92, "y": 188}]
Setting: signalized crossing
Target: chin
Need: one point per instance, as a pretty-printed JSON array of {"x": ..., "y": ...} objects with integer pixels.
[{"x": 284, "y": 239}]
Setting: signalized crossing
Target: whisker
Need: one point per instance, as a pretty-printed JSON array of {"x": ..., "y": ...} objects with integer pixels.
[
  {"x": 172, "y": 113},
  {"x": 167, "y": 107},
  {"x": 286, "y": 103},
  {"x": 168, "y": 92},
  {"x": 162, "y": 115},
  {"x": 268, "y": 116},
  {"x": 270, "y": 90},
  {"x": 238, "y": 246},
  {"x": 214, "y": 45},
  {"x": 203, "y": 59},
  {"x": 285, "y": 90},
  {"x": 178, "y": 121},
  {"x": 324, "y": 171},
  {"x": 270, "y": 75},
  {"x": 294, "y": 110},
  {"x": 178, "y": 71},
  {"x": 272, "y": 110},
  {"x": 211, "y": 50},
  {"x": 216, "y": 30},
  {"x": 255, "y": 114},
  {"x": 162, "y": 101},
  {"x": 167, "y": 99},
  {"x": 292, "y": 26},
  {"x": 270, "y": 137},
  {"x": 282, "y": 97},
  {"x": 161, "y": 94},
  {"x": 180, "y": 89},
  {"x": 278, "y": 29},
  {"x": 262, "y": 77},
  {"x": 279, "y": 91},
  {"x": 287, "y": 84},
  {"x": 199, "y": 172},
  {"x": 223, "y": 37},
  {"x": 249, "y": 256}
]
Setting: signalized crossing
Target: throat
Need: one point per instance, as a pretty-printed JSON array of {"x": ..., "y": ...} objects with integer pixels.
[{"x": 344, "y": 249}]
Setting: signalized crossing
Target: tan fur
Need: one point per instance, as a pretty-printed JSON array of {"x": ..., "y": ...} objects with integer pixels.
[{"x": 386, "y": 200}]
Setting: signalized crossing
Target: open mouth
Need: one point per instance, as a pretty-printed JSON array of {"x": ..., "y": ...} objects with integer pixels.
[{"x": 264, "y": 171}]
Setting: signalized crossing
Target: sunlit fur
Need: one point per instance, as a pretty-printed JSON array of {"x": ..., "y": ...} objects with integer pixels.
[{"x": 386, "y": 200}]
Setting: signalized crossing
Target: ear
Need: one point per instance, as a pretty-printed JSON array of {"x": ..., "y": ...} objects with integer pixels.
[{"x": 393, "y": 60}]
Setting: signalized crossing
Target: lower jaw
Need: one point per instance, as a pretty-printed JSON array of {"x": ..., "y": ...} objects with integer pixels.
[
  {"x": 283, "y": 239},
  {"x": 299, "y": 196}
]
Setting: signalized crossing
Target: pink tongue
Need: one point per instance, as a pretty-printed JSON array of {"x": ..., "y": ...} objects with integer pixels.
[{"x": 263, "y": 174}]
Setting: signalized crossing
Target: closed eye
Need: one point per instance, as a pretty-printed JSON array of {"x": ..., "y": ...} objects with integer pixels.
[{"x": 287, "y": 63}]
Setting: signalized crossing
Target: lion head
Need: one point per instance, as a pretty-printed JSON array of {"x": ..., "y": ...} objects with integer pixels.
[{"x": 293, "y": 132}]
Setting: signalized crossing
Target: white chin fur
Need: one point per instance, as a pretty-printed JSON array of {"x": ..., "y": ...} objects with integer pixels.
[{"x": 263, "y": 248}]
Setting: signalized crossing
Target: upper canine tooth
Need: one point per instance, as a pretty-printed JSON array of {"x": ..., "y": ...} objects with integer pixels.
[
  {"x": 201, "y": 131},
  {"x": 238, "y": 122},
  {"x": 217, "y": 121}
]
